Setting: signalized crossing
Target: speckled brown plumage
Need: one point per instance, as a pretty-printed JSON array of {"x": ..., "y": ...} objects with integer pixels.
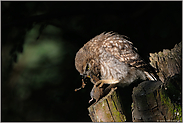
[{"x": 110, "y": 58}]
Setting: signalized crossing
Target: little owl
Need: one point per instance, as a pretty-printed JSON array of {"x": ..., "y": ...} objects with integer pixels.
[{"x": 110, "y": 58}]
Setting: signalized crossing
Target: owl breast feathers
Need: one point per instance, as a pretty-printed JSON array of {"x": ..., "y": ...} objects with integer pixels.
[{"x": 111, "y": 59}]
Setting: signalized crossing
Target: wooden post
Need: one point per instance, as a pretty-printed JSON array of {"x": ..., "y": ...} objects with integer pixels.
[
  {"x": 152, "y": 101},
  {"x": 161, "y": 101},
  {"x": 108, "y": 109}
]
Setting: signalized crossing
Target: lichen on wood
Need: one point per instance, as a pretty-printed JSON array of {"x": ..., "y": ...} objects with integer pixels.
[
  {"x": 163, "y": 103},
  {"x": 158, "y": 101},
  {"x": 108, "y": 109},
  {"x": 145, "y": 105},
  {"x": 167, "y": 63}
]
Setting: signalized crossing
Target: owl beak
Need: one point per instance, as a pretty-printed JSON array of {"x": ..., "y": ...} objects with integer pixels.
[{"x": 85, "y": 76}]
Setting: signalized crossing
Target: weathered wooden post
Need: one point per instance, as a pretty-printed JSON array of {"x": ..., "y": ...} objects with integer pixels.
[{"x": 152, "y": 100}]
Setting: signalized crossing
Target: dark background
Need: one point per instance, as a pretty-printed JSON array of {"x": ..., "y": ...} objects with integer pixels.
[{"x": 39, "y": 41}]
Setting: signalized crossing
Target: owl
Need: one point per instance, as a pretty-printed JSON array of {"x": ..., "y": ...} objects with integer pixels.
[{"x": 110, "y": 58}]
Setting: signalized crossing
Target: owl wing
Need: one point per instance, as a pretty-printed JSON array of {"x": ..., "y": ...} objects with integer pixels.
[{"x": 123, "y": 50}]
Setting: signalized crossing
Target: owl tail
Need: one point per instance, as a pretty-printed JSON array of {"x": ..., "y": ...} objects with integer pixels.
[{"x": 150, "y": 76}]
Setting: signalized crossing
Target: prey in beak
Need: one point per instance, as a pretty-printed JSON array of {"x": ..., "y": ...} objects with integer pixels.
[{"x": 84, "y": 77}]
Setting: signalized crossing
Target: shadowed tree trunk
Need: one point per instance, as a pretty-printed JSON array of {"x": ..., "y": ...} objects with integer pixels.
[{"x": 152, "y": 100}]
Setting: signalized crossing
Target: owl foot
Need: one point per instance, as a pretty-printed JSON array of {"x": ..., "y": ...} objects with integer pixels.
[
  {"x": 110, "y": 81},
  {"x": 97, "y": 83}
]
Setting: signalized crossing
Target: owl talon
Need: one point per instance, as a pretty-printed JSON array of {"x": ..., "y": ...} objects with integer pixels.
[{"x": 101, "y": 82}]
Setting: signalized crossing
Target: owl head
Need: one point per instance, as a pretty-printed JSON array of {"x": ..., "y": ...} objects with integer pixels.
[
  {"x": 97, "y": 53},
  {"x": 87, "y": 64},
  {"x": 82, "y": 63},
  {"x": 86, "y": 55}
]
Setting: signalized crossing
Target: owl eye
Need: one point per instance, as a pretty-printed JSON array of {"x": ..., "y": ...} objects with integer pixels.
[{"x": 87, "y": 67}]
